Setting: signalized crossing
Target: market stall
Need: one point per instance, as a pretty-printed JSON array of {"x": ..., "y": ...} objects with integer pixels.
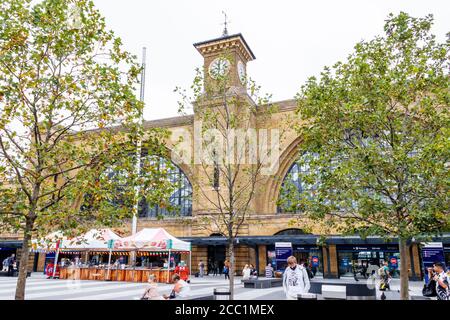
[
  {"x": 157, "y": 241},
  {"x": 52, "y": 243},
  {"x": 152, "y": 251}
]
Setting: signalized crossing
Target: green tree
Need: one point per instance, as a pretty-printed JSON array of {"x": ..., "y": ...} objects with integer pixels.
[
  {"x": 69, "y": 124},
  {"x": 376, "y": 138}
]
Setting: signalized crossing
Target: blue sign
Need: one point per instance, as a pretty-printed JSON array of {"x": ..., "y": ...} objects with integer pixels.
[
  {"x": 432, "y": 252},
  {"x": 345, "y": 262},
  {"x": 315, "y": 261},
  {"x": 283, "y": 250},
  {"x": 393, "y": 262}
]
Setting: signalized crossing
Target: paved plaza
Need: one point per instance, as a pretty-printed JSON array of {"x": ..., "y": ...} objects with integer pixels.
[{"x": 40, "y": 288}]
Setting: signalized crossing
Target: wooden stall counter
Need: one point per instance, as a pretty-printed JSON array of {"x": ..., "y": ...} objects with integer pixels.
[{"x": 128, "y": 275}]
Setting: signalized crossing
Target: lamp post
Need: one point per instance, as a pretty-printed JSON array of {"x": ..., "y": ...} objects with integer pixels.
[{"x": 138, "y": 154}]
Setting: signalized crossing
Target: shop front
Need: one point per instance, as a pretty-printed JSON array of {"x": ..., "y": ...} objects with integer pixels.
[
  {"x": 7, "y": 249},
  {"x": 365, "y": 260},
  {"x": 310, "y": 254}
]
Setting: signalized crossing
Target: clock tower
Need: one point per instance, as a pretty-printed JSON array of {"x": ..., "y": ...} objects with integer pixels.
[{"x": 226, "y": 56}]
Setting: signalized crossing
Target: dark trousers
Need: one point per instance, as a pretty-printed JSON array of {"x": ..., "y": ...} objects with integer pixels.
[
  {"x": 227, "y": 276},
  {"x": 10, "y": 271}
]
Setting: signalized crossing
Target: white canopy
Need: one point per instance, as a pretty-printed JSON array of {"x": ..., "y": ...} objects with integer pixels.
[
  {"x": 93, "y": 239},
  {"x": 49, "y": 242},
  {"x": 152, "y": 239}
]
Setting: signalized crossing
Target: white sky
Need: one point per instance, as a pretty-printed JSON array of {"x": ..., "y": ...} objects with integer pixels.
[{"x": 291, "y": 40}]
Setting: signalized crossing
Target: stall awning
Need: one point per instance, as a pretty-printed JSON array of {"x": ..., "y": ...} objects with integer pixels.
[
  {"x": 93, "y": 239},
  {"x": 152, "y": 239}
]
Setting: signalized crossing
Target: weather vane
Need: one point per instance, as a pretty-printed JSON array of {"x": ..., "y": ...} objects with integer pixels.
[{"x": 225, "y": 24}]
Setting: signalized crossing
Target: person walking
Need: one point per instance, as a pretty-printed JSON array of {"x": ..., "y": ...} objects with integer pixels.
[
  {"x": 442, "y": 282},
  {"x": 226, "y": 269},
  {"x": 308, "y": 271},
  {"x": 355, "y": 270},
  {"x": 215, "y": 268},
  {"x": 295, "y": 279},
  {"x": 246, "y": 273},
  {"x": 201, "y": 268},
  {"x": 5, "y": 264},
  {"x": 11, "y": 262},
  {"x": 209, "y": 267},
  {"x": 253, "y": 271},
  {"x": 383, "y": 272},
  {"x": 151, "y": 292}
]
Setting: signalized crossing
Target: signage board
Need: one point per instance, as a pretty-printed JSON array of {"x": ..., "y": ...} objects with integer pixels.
[
  {"x": 306, "y": 248},
  {"x": 432, "y": 252},
  {"x": 390, "y": 248},
  {"x": 315, "y": 261},
  {"x": 110, "y": 244},
  {"x": 393, "y": 262},
  {"x": 283, "y": 250}
]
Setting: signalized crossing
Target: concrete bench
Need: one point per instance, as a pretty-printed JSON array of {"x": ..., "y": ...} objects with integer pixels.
[
  {"x": 334, "y": 292},
  {"x": 263, "y": 283},
  {"x": 354, "y": 291}
]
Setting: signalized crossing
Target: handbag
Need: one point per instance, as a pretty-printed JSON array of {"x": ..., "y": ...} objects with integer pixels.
[
  {"x": 144, "y": 296},
  {"x": 429, "y": 289}
]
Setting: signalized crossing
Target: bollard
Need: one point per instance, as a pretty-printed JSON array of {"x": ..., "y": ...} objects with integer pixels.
[{"x": 222, "y": 294}]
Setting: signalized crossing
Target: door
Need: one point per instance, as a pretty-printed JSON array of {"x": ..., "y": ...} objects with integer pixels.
[{"x": 216, "y": 254}]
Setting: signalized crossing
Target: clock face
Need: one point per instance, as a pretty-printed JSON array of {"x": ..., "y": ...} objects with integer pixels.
[
  {"x": 241, "y": 72},
  {"x": 219, "y": 67}
]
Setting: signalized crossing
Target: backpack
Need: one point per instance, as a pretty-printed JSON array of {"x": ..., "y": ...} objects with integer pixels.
[{"x": 381, "y": 272}]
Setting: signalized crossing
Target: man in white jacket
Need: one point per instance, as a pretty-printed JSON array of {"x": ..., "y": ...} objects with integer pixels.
[{"x": 295, "y": 279}]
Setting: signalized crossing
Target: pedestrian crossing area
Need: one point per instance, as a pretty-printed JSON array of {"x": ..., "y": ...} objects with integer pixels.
[{"x": 40, "y": 288}]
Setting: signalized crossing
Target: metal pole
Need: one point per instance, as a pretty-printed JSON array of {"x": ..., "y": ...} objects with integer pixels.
[
  {"x": 56, "y": 263},
  {"x": 109, "y": 263},
  {"x": 138, "y": 155},
  {"x": 168, "y": 269},
  {"x": 190, "y": 265}
]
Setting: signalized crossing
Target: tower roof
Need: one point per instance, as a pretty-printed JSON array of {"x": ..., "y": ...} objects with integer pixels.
[{"x": 218, "y": 44}]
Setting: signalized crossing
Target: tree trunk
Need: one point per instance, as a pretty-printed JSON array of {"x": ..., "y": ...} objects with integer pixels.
[
  {"x": 23, "y": 264},
  {"x": 404, "y": 276},
  {"x": 232, "y": 267}
]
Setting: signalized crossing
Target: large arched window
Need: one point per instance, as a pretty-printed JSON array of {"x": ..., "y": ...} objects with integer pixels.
[
  {"x": 180, "y": 201},
  {"x": 294, "y": 186}
]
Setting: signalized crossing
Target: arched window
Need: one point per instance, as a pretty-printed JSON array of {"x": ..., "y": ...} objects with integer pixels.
[
  {"x": 180, "y": 201},
  {"x": 178, "y": 204},
  {"x": 294, "y": 186}
]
